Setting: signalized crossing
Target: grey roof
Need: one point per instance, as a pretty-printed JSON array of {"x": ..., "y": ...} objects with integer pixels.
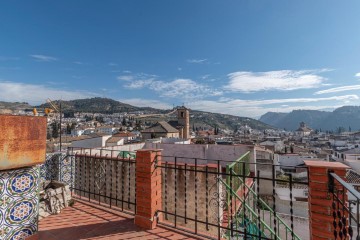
[
  {"x": 96, "y": 135},
  {"x": 352, "y": 151},
  {"x": 176, "y": 124},
  {"x": 161, "y": 127}
]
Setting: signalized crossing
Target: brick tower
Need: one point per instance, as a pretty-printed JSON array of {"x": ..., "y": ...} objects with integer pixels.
[{"x": 183, "y": 119}]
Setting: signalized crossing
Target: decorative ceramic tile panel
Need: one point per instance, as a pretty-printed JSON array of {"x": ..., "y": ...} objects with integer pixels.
[
  {"x": 57, "y": 167},
  {"x": 18, "y": 203}
]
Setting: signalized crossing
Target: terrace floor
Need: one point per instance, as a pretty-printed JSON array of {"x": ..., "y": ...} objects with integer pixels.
[{"x": 87, "y": 220}]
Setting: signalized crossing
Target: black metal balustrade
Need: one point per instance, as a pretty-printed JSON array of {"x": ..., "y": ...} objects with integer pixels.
[
  {"x": 212, "y": 198},
  {"x": 104, "y": 176},
  {"x": 345, "y": 206},
  {"x": 205, "y": 197}
]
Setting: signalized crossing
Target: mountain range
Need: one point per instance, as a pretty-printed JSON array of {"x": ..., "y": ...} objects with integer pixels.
[
  {"x": 109, "y": 106},
  {"x": 346, "y": 117}
]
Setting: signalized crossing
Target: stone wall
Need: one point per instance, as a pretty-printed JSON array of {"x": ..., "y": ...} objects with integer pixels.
[{"x": 54, "y": 197}]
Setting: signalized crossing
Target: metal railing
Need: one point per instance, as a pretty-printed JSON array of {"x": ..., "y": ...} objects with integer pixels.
[
  {"x": 195, "y": 199},
  {"x": 212, "y": 198},
  {"x": 241, "y": 166},
  {"x": 103, "y": 176},
  {"x": 256, "y": 210},
  {"x": 345, "y": 206}
]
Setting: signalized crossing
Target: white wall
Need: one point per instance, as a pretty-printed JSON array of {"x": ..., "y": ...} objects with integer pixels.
[
  {"x": 95, "y": 142},
  {"x": 337, "y": 143},
  {"x": 278, "y": 145},
  {"x": 284, "y": 193},
  {"x": 352, "y": 156},
  {"x": 128, "y": 147},
  {"x": 186, "y": 153},
  {"x": 120, "y": 142},
  {"x": 354, "y": 164},
  {"x": 107, "y": 150},
  {"x": 300, "y": 209}
]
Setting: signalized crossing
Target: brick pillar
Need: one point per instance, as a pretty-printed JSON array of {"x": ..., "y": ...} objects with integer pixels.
[
  {"x": 148, "y": 187},
  {"x": 320, "y": 199}
]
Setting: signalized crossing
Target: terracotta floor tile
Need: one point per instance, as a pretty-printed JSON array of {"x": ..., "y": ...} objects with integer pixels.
[{"x": 87, "y": 220}]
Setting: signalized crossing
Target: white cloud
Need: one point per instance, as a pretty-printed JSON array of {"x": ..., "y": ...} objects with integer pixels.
[
  {"x": 135, "y": 77},
  {"x": 138, "y": 84},
  {"x": 146, "y": 103},
  {"x": 197, "y": 61},
  {"x": 339, "y": 89},
  {"x": 178, "y": 88},
  {"x": 43, "y": 58},
  {"x": 291, "y": 100},
  {"x": 125, "y": 78},
  {"x": 185, "y": 88},
  {"x": 357, "y": 75},
  {"x": 36, "y": 94},
  {"x": 283, "y": 80},
  {"x": 112, "y": 64},
  {"x": 206, "y": 76},
  {"x": 79, "y": 63},
  {"x": 255, "y": 108}
]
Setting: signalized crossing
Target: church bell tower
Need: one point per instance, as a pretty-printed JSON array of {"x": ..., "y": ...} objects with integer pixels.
[{"x": 184, "y": 120}]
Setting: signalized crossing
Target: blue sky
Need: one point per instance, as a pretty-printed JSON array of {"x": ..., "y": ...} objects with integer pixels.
[{"x": 238, "y": 57}]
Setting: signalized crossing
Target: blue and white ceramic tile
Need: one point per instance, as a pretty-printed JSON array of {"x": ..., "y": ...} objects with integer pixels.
[
  {"x": 57, "y": 166},
  {"x": 18, "y": 203}
]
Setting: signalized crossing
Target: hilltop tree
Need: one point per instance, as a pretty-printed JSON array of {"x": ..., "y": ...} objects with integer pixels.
[
  {"x": 48, "y": 134},
  {"x": 124, "y": 122},
  {"x": 88, "y": 118},
  {"x": 236, "y": 130},
  {"x": 200, "y": 141},
  {"x": 68, "y": 129},
  {"x": 55, "y": 129},
  {"x": 69, "y": 114},
  {"x": 100, "y": 119},
  {"x": 340, "y": 130},
  {"x": 292, "y": 149},
  {"x": 138, "y": 125}
]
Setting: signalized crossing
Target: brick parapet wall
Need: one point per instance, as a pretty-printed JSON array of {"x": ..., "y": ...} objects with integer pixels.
[
  {"x": 321, "y": 199},
  {"x": 148, "y": 188}
]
